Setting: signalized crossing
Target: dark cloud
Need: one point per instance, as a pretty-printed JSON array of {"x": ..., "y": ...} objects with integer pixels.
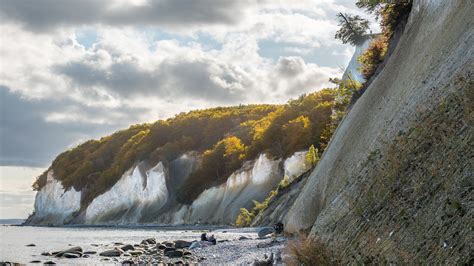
[
  {"x": 27, "y": 139},
  {"x": 47, "y": 14},
  {"x": 175, "y": 79}
]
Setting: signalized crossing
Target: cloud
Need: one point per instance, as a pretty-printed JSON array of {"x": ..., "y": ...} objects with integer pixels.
[
  {"x": 46, "y": 15},
  {"x": 146, "y": 60},
  {"x": 290, "y": 66},
  {"x": 29, "y": 138}
]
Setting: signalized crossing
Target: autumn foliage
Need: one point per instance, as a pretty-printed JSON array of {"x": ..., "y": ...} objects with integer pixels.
[{"x": 225, "y": 137}]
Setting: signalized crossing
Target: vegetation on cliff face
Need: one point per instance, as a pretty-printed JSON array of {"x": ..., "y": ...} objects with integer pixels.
[
  {"x": 390, "y": 15},
  {"x": 225, "y": 137}
]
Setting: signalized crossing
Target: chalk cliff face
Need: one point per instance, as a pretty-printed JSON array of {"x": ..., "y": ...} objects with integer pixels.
[
  {"x": 53, "y": 205},
  {"x": 294, "y": 166},
  {"x": 221, "y": 204},
  {"x": 125, "y": 201},
  {"x": 145, "y": 194},
  {"x": 395, "y": 183}
]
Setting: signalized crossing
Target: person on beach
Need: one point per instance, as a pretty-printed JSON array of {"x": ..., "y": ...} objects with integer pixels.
[{"x": 212, "y": 239}]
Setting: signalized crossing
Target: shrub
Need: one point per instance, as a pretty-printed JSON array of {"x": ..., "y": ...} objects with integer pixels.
[
  {"x": 312, "y": 157},
  {"x": 244, "y": 218},
  {"x": 309, "y": 251},
  {"x": 391, "y": 13},
  {"x": 285, "y": 182},
  {"x": 373, "y": 56}
]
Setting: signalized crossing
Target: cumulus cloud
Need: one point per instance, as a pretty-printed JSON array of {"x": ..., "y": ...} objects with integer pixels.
[{"x": 147, "y": 60}]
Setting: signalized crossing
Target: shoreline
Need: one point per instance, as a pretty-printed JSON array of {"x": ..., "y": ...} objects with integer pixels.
[{"x": 234, "y": 245}]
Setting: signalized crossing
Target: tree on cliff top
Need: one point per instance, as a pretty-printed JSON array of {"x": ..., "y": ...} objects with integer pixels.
[{"x": 353, "y": 28}]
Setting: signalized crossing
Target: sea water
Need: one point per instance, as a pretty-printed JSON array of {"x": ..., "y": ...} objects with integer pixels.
[{"x": 14, "y": 240}]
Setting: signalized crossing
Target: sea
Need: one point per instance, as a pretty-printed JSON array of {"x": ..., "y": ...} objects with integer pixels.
[{"x": 15, "y": 240}]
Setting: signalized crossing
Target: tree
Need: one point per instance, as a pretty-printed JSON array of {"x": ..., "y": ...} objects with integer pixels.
[
  {"x": 312, "y": 157},
  {"x": 353, "y": 28},
  {"x": 296, "y": 134}
]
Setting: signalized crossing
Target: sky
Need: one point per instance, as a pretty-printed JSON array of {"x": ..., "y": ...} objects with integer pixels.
[{"x": 72, "y": 70}]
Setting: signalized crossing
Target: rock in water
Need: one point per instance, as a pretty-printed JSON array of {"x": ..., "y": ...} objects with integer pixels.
[
  {"x": 71, "y": 255},
  {"x": 265, "y": 231},
  {"x": 73, "y": 250},
  {"x": 127, "y": 247},
  {"x": 182, "y": 244},
  {"x": 31, "y": 245},
  {"x": 110, "y": 253}
]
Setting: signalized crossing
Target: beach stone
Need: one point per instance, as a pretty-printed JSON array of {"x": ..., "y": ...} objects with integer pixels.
[
  {"x": 119, "y": 249},
  {"x": 50, "y": 262},
  {"x": 265, "y": 231},
  {"x": 110, "y": 253},
  {"x": 46, "y": 254},
  {"x": 75, "y": 250},
  {"x": 168, "y": 244},
  {"x": 127, "y": 262},
  {"x": 178, "y": 253},
  {"x": 161, "y": 247},
  {"x": 135, "y": 252},
  {"x": 35, "y": 261},
  {"x": 149, "y": 241},
  {"x": 182, "y": 244},
  {"x": 187, "y": 253},
  {"x": 243, "y": 238},
  {"x": 90, "y": 252},
  {"x": 127, "y": 247},
  {"x": 70, "y": 255},
  {"x": 118, "y": 243},
  {"x": 85, "y": 256},
  {"x": 167, "y": 249},
  {"x": 31, "y": 245}
]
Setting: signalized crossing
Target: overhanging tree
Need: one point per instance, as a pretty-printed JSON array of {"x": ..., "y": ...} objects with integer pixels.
[{"x": 353, "y": 28}]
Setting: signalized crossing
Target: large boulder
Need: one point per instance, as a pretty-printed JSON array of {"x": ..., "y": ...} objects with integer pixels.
[{"x": 182, "y": 244}]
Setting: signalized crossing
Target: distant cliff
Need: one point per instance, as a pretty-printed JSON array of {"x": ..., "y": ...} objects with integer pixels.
[{"x": 201, "y": 166}]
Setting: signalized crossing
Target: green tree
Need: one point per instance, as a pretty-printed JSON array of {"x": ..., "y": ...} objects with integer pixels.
[
  {"x": 244, "y": 218},
  {"x": 312, "y": 157},
  {"x": 353, "y": 28}
]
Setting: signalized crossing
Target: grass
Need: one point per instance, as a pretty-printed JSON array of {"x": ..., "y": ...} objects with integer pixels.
[{"x": 309, "y": 251}]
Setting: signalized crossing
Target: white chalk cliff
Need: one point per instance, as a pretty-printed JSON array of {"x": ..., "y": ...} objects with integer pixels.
[
  {"x": 129, "y": 196},
  {"x": 54, "y": 205},
  {"x": 144, "y": 195}
]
